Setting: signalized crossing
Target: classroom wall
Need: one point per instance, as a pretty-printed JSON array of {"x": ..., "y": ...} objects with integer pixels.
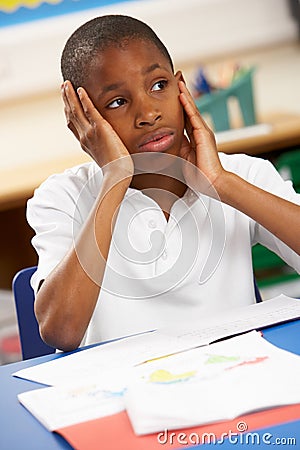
[
  {"x": 32, "y": 125},
  {"x": 191, "y": 29}
]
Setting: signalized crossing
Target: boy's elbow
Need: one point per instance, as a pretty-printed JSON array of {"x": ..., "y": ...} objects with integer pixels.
[
  {"x": 58, "y": 330},
  {"x": 61, "y": 338}
]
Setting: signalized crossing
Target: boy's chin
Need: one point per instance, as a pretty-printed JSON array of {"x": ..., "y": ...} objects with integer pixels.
[{"x": 154, "y": 162}]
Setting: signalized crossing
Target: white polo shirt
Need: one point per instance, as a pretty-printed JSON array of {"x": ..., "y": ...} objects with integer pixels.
[{"x": 159, "y": 272}]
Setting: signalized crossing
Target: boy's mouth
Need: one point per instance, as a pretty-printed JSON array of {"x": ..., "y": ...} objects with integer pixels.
[{"x": 158, "y": 141}]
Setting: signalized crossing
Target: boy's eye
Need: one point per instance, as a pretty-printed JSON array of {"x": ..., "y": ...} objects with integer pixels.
[
  {"x": 160, "y": 85},
  {"x": 117, "y": 103}
]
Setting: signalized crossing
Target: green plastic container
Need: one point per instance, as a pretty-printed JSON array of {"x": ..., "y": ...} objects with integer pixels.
[
  {"x": 215, "y": 104},
  {"x": 269, "y": 269},
  {"x": 288, "y": 164}
]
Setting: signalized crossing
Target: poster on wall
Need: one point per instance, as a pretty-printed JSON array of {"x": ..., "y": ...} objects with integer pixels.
[{"x": 14, "y": 12}]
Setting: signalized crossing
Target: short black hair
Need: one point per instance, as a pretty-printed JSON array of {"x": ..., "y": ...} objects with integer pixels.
[{"x": 95, "y": 36}]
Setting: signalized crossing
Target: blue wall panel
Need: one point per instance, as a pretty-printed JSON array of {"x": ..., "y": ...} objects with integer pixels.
[{"x": 14, "y": 12}]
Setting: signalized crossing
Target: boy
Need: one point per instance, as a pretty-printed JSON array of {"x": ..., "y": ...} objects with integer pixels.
[{"x": 158, "y": 228}]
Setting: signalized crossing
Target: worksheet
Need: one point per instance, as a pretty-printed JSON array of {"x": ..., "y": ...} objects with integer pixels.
[
  {"x": 134, "y": 350},
  {"x": 237, "y": 320},
  {"x": 214, "y": 383},
  {"x": 199, "y": 386}
]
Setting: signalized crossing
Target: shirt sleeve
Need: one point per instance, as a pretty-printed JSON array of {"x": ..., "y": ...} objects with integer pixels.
[
  {"x": 56, "y": 213},
  {"x": 269, "y": 179},
  {"x": 263, "y": 174}
]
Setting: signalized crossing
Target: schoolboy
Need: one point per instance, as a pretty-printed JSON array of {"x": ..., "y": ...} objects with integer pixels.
[{"x": 158, "y": 228}]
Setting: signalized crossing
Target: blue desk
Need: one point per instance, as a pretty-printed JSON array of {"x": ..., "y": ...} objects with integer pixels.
[{"x": 19, "y": 430}]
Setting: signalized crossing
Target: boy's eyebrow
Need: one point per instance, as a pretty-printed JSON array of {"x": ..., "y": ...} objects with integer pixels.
[
  {"x": 153, "y": 67},
  {"x": 111, "y": 87}
]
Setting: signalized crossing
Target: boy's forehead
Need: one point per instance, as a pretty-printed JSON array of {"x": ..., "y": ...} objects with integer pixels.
[{"x": 137, "y": 54}]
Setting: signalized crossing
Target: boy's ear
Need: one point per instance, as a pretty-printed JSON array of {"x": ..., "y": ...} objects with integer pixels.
[{"x": 179, "y": 76}]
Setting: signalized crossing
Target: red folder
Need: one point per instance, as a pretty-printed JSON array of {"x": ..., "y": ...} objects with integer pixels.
[{"x": 115, "y": 432}]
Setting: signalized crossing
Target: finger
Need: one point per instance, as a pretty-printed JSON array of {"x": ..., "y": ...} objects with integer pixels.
[
  {"x": 189, "y": 129},
  {"x": 65, "y": 100},
  {"x": 186, "y": 150},
  {"x": 183, "y": 89},
  {"x": 90, "y": 111},
  {"x": 196, "y": 126},
  {"x": 67, "y": 111},
  {"x": 68, "y": 94},
  {"x": 73, "y": 108},
  {"x": 185, "y": 147},
  {"x": 68, "y": 116},
  {"x": 72, "y": 127},
  {"x": 190, "y": 108}
]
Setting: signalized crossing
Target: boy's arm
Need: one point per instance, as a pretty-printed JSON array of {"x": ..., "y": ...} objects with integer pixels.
[
  {"x": 66, "y": 300},
  {"x": 277, "y": 215}
]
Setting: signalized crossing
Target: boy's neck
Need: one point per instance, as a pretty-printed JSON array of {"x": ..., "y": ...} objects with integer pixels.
[{"x": 163, "y": 189}]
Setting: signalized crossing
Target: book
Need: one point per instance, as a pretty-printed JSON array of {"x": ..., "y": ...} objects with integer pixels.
[
  {"x": 200, "y": 386},
  {"x": 215, "y": 383}
]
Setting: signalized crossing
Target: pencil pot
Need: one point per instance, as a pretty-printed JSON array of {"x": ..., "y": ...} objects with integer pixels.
[{"x": 216, "y": 104}]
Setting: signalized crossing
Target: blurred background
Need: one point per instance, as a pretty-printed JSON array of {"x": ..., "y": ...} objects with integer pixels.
[{"x": 203, "y": 36}]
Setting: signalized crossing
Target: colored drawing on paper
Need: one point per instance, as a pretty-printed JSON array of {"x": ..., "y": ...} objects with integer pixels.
[
  {"x": 212, "y": 367},
  {"x": 216, "y": 359},
  {"x": 242, "y": 361},
  {"x": 249, "y": 362},
  {"x": 94, "y": 391},
  {"x": 162, "y": 376}
]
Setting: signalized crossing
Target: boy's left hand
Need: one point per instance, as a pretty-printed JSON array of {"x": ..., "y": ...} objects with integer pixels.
[{"x": 200, "y": 149}]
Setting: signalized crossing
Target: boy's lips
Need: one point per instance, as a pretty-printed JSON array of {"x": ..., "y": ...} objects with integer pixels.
[{"x": 158, "y": 141}]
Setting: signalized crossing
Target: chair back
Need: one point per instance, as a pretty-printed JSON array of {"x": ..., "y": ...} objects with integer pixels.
[{"x": 32, "y": 344}]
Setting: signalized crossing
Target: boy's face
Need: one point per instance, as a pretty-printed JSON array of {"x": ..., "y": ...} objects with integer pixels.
[{"x": 135, "y": 90}]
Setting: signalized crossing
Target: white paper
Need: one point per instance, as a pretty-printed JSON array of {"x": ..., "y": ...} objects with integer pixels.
[
  {"x": 213, "y": 383},
  {"x": 58, "y": 407},
  {"x": 238, "y": 320},
  {"x": 96, "y": 361},
  {"x": 203, "y": 385},
  {"x": 137, "y": 349}
]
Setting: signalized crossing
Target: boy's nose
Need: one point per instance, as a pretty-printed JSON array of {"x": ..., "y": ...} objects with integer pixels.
[{"x": 147, "y": 113}]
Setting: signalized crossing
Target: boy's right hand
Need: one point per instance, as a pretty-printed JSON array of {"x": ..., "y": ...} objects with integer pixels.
[{"x": 96, "y": 136}]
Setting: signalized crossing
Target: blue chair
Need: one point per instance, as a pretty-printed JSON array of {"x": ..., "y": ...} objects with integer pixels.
[{"x": 32, "y": 344}]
